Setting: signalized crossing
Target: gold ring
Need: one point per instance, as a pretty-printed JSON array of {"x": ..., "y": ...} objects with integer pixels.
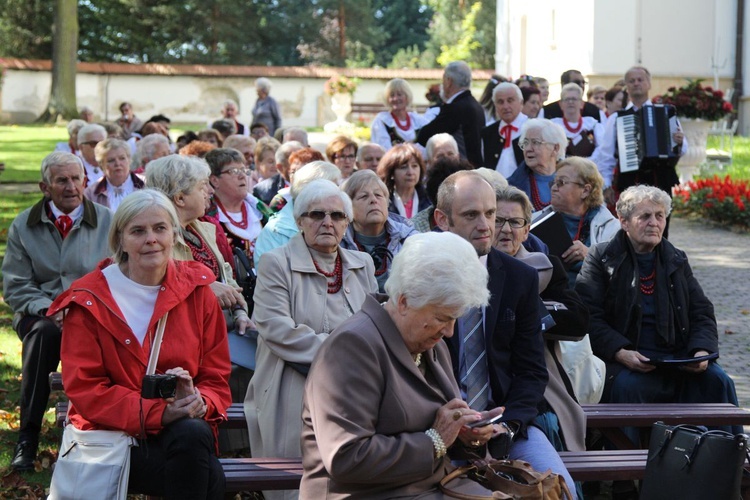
[
  {"x": 476, "y": 444},
  {"x": 457, "y": 414}
]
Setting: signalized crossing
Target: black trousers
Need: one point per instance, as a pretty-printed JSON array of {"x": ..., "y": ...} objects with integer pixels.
[
  {"x": 178, "y": 463},
  {"x": 40, "y": 355}
]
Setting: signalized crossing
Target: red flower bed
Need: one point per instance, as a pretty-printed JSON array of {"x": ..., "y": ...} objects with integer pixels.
[{"x": 722, "y": 200}]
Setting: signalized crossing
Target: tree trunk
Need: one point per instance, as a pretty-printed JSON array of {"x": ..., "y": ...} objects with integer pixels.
[{"x": 62, "y": 101}]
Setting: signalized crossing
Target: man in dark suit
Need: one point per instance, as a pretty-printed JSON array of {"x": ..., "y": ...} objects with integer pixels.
[
  {"x": 553, "y": 110},
  {"x": 266, "y": 189},
  {"x": 512, "y": 372},
  {"x": 460, "y": 115},
  {"x": 500, "y": 149}
]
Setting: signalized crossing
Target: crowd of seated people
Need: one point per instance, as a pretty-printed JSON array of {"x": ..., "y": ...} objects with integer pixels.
[{"x": 323, "y": 238}]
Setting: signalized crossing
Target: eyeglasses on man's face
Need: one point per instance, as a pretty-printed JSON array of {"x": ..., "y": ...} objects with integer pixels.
[
  {"x": 513, "y": 222},
  {"x": 319, "y": 215},
  {"x": 526, "y": 143}
]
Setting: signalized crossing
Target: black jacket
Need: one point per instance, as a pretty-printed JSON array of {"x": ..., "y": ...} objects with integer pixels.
[
  {"x": 463, "y": 119},
  {"x": 492, "y": 146},
  {"x": 608, "y": 284},
  {"x": 266, "y": 189}
]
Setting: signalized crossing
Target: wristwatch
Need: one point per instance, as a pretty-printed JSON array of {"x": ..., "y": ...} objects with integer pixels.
[{"x": 509, "y": 430}]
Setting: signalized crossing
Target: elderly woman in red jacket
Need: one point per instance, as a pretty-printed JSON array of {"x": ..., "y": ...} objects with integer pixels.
[{"x": 109, "y": 327}]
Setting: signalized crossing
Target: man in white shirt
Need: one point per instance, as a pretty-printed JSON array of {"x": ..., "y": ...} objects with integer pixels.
[{"x": 500, "y": 149}]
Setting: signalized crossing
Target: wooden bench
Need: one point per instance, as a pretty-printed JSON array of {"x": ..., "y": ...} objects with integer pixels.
[{"x": 254, "y": 474}]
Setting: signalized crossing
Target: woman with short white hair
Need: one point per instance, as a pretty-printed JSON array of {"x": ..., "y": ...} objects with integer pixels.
[
  {"x": 113, "y": 155},
  {"x": 543, "y": 144},
  {"x": 304, "y": 290},
  {"x": 400, "y": 124},
  {"x": 382, "y": 414},
  {"x": 266, "y": 109}
]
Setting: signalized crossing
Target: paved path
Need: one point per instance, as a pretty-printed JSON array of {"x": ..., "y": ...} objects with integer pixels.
[{"x": 721, "y": 263}]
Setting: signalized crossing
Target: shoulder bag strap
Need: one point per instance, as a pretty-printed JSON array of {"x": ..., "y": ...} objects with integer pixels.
[{"x": 156, "y": 346}]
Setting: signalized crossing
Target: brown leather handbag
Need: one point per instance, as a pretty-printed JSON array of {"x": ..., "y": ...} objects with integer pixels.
[{"x": 509, "y": 479}]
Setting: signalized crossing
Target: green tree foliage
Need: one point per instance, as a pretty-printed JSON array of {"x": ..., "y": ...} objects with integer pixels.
[{"x": 354, "y": 33}]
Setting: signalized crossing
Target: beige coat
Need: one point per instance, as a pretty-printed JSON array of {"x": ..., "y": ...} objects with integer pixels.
[
  {"x": 208, "y": 233},
  {"x": 290, "y": 304}
]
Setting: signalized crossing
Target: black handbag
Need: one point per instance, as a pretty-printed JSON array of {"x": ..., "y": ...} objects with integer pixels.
[
  {"x": 689, "y": 462},
  {"x": 245, "y": 274}
]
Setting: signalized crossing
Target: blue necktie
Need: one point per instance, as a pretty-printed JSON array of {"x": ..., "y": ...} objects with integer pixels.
[{"x": 476, "y": 378}]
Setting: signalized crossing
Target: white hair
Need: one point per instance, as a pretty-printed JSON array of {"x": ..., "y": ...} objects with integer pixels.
[
  {"x": 551, "y": 132},
  {"x": 493, "y": 178},
  {"x": 459, "y": 73},
  {"x": 318, "y": 190},
  {"x": 572, "y": 87},
  {"x": 452, "y": 278},
  {"x": 296, "y": 134},
  {"x": 438, "y": 140},
  {"x": 88, "y": 130},
  {"x": 176, "y": 174},
  {"x": 75, "y": 125},
  {"x": 507, "y": 86},
  {"x": 635, "y": 195},
  {"x": 285, "y": 151},
  {"x": 146, "y": 148},
  {"x": 314, "y": 170},
  {"x": 263, "y": 84},
  {"x": 58, "y": 159}
]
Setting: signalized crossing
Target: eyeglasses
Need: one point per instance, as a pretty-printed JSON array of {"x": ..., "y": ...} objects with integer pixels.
[
  {"x": 513, "y": 222},
  {"x": 531, "y": 142},
  {"x": 91, "y": 144},
  {"x": 319, "y": 215},
  {"x": 236, "y": 171},
  {"x": 571, "y": 100},
  {"x": 562, "y": 182},
  {"x": 344, "y": 157}
]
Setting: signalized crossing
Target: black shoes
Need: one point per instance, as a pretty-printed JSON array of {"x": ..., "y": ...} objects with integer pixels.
[{"x": 24, "y": 456}]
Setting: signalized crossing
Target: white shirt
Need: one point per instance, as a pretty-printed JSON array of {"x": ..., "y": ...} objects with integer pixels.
[
  {"x": 606, "y": 161},
  {"x": 76, "y": 214},
  {"x": 506, "y": 165},
  {"x": 136, "y": 301},
  {"x": 93, "y": 173},
  {"x": 115, "y": 195}
]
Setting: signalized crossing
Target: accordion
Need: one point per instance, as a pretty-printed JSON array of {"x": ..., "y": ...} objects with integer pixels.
[{"x": 645, "y": 135}]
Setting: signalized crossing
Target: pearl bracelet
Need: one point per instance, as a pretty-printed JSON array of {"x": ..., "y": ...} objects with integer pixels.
[{"x": 437, "y": 442}]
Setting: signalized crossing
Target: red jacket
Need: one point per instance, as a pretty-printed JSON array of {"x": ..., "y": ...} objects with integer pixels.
[{"x": 103, "y": 364}]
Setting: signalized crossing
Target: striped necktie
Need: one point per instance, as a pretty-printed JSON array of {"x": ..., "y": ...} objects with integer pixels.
[{"x": 476, "y": 378}]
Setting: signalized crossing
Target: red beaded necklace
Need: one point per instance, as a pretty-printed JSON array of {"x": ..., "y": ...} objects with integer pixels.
[
  {"x": 536, "y": 200},
  {"x": 245, "y": 220},
  {"x": 337, "y": 274},
  {"x": 580, "y": 228},
  {"x": 398, "y": 123},
  {"x": 648, "y": 288},
  {"x": 573, "y": 130}
]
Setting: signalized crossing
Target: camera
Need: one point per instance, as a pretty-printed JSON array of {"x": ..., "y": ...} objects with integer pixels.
[{"x": 159, "y": 386}]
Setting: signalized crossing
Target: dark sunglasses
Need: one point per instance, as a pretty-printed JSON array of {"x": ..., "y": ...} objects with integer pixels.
[{"x": 319, "y": 215}]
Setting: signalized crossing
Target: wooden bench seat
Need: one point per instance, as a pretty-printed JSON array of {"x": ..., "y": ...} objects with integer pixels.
[{"x": 253, "y": 474}]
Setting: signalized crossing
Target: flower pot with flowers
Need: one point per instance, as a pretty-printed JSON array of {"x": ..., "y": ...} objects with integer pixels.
[
  {"x": 340, "y": 88},
  {"x": 697, "y": 108}
]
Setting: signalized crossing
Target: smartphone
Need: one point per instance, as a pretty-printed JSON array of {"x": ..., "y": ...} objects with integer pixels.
[{"x": 487, "y": 421}]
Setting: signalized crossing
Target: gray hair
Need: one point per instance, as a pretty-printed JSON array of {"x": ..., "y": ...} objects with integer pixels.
[
  {"x": 239, "y": 140},
  {"x": 399, "y": 84},
  {"x": 572, "y": 87},
  {"x": 361, "y": 179},
  {"x": 635, "y": 195},
  {"x": 145, "y": 149},
  {"x": 133, "y": 205},
  {"x": 459, "y": 73},
  {"x": 176, "y": 174},
  {"x": 361, "y": 149},
  {"x": 452, "y": 278},
  {"x": 551, "y": 132},
  {"x": 511, "y": 194},
  {"x": 88, "y": 130},
  {"x": 493, "y": 177},
  {"x": 263, "y": 84},
  {"x": 296, "y": 134},
  {"x": 58, "y": 159},
  {"x": 311, "y": 171},
  {"x": 507, "y": 86},
  {"x": 438, "y": 140},
  {"x": 75, "y": 125},
  {"x": 107, "y": 145},
  {"x": 318, "y": 190},
  {"x": 228, "y": 102},
  {"x": 285, "y": 151}
]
